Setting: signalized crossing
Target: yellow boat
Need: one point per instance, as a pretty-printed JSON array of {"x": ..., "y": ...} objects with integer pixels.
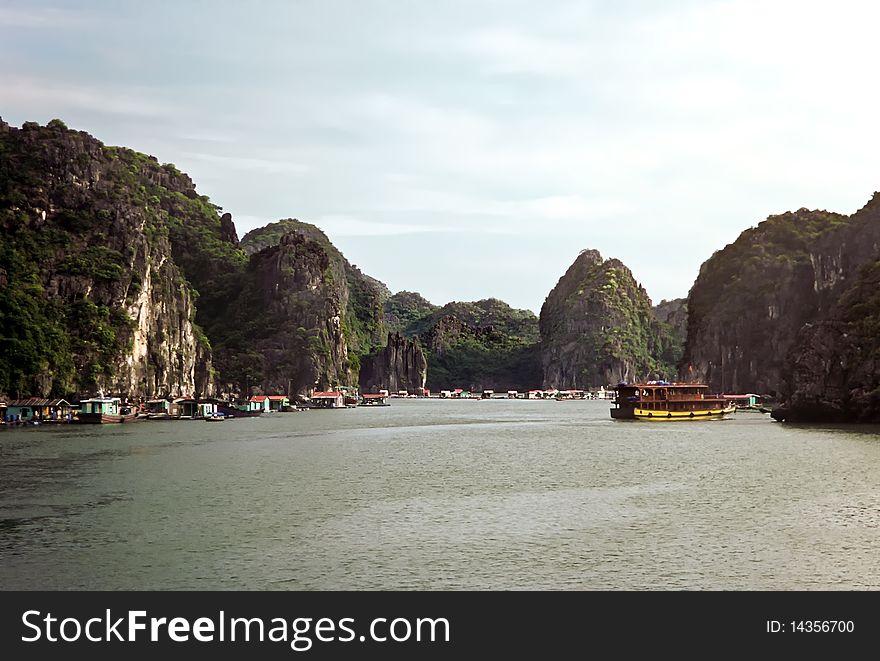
[{"x": 660, "y": 400}]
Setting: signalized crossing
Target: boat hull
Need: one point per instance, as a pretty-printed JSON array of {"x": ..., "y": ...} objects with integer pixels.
[
  {"x": 642, "y": 414},
  {"x": 104, "y": 418}
]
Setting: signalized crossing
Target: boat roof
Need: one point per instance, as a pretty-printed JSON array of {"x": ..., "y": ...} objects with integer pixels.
[
  {"x": 374, "y": 396},
  {"x": 327, "y": 394},
  {"x": 100, "y": 399}
]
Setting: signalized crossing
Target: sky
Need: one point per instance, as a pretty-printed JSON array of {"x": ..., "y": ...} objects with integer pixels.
[{"x": 471, "y": 149}]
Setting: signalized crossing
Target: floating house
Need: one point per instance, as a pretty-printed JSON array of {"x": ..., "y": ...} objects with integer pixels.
[
  {"x": 747, "y": 401},
  {"x": 487, "y": 394},
  {"x": 205, "y": 409},
  {"x": 328, "y": 400},
  {"x": 38, "y": 409},
  {"x": 373, "y": 399},
  {"x": 601, "y": 393},
  {"x": 258, "y": 403},
  {"x": 157, "y": 407},
  {"x": 187, "y": 408},
  {"x": 278, "y": 402}
]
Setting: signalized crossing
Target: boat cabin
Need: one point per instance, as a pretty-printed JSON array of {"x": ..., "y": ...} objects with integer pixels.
[
  {"x": 373, "y": 399},
  {"x": 101, "y": 406}
]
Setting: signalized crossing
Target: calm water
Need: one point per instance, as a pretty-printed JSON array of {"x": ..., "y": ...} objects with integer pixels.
[{"x": 441, "y": 495}]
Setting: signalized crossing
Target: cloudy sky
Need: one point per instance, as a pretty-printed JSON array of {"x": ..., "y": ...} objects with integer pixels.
[{"x": 471, "y": 149}]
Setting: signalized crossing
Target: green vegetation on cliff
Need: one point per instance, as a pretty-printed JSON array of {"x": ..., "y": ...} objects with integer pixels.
[
  {"x": 751, "y": 299},
  {"x": 598, "y": 327},
  {"x": 359, "y": 299},
  {"x": 477, "y": 345},
  {"x": 79, "y": 221},
  {"x": 405, "y": 308}
]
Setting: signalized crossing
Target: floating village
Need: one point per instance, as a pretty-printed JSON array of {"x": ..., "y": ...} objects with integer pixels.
[{"x": 653, "y": 400}]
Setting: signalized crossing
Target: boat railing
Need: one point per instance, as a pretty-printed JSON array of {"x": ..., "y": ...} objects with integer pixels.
[{"x": 696, "y": 397}]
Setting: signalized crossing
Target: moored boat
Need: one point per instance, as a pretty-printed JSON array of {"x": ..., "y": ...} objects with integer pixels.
[
  {"x": 104, "y": 410},
  {"x": 660, "y": 400}
]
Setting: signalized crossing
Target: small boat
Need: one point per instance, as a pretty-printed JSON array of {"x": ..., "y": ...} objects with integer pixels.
[
  {"x": 661, "y": 400},
  {"x": 215, "y": 417}
]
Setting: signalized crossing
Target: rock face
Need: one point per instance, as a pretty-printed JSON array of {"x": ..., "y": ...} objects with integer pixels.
[
  {"x": 90, "y": 295},
  {"x": 400, "y": 365},
  {"x": 752, "y": 301},
  {"x": 306, "y": 317},
  {"x": 835, "y": 366},
  {"x": 598, "y": 328},
  {"x": 674, "y": 313},
  {"x": 285, "y": 330}
]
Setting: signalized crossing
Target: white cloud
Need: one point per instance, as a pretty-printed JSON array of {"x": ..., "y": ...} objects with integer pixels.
[
  {"x": 502, "y": 50},
  {"x": 37, "y": 94},
  {"x": 338, "y": 225},
  {"x": 575, "y": 123},
  {"x": 42, "y": 17},
  {"x": 269, "y": 166}
]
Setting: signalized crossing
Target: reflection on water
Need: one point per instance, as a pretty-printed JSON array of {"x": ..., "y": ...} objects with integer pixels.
[{"x": 441, "y": 495}]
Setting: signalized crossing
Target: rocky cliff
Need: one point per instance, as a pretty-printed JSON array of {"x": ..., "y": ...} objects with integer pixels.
[
  {"x": 833, "y": 371},
  {"x": 751, "y": 302},
  {"x": 597, "y": 328},
  {"x": 673, "y": 317},
  {"x": 325, "y": 315},
  {"x": 399, "y": 365},
  {"x": 286, "y": 328},
  {"x": 91, "y": 297}
]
